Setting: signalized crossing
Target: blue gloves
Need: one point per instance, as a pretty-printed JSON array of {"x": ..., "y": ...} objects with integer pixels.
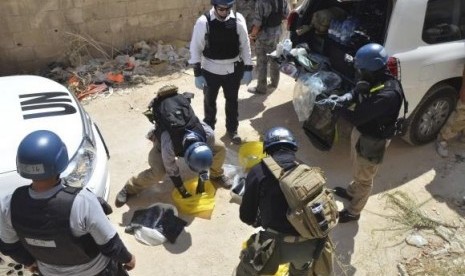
[
  {"x": 200, "y": 82},
  {"x": 247, "y": 77}
]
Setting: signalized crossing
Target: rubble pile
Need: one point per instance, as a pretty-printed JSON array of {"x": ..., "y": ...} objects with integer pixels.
[{"x": 87, "y": 76}]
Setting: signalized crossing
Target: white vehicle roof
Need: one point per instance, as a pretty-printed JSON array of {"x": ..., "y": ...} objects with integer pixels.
[{"x": 29, "y": 103}]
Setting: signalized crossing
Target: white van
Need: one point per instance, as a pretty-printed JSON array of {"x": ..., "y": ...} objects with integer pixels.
[{"x": 425, "y": 39}]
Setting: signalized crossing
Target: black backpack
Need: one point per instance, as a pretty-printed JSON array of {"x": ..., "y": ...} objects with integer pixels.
[{"x": 174, "y": 114}]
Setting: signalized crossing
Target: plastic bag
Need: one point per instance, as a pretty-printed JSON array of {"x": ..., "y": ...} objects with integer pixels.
[
  {"x": 199, "y": 205},
  {"x": 150, "y": 236},
  {"x": 306, "y": 89}
]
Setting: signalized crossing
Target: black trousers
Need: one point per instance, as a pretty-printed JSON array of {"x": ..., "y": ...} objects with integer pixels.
[{"x": 230, "y": 84}]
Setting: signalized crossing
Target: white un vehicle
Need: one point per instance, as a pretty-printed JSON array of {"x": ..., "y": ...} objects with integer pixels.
[
  {"x": 425, "y": 39},
  {"x": 29, "y": 103}
]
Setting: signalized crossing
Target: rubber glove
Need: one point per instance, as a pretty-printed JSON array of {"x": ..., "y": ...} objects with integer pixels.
[
  {"x": 200, "y": 82},
  {"x": 247, "y": 77},
  {"x": 331, "y": 103},
  {"x": 177, "y": 182},
  {"x": 347, "y": 97}
]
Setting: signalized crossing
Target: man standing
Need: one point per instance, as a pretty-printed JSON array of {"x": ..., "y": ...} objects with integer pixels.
[
  {"x": 193, "y": 140},
  {"x": 264, "y": 204},
  {"x": 55, "y": 229},
  {"x": 220, "y": 55},
  {"x": 454, "y": 125},
  {"x": 247, "y": 9},
  {"x": 378, "y": 98},
  {"x": 266, "y": 31}
]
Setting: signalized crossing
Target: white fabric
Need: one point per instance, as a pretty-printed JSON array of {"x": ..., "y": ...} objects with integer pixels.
[{"x": 219, "y": 67}]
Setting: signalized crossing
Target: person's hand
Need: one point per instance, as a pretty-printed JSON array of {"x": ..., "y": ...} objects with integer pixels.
[
  {"x": 332, "y": 104},
  {"x": 132, "y": 263},
  {"x": 246, "y": 78},
  {"x": 200, "y": 82}
]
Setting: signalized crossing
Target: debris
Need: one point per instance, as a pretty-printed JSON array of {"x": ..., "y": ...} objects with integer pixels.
[
  {"x": 416, "y": 240},
  {"x": 92, "y": 65}
]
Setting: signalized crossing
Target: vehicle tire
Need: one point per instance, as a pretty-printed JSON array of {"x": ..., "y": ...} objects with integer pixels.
[{"x": 431, "y": 114}]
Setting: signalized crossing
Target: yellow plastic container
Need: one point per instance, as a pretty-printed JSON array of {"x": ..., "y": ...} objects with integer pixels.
[
  {"x": 250, "y": 154},
  {"x": 199, "y": 205}
]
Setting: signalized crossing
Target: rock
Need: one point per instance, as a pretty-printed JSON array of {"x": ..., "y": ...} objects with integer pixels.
[{"x": 416, "y": 240}]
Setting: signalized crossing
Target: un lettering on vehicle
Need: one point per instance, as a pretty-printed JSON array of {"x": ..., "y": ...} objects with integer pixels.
[{"x": 45, "y": 104}]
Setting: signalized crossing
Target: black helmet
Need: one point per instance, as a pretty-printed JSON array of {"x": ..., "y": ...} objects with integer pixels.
[{"x": 279, "y": 136}]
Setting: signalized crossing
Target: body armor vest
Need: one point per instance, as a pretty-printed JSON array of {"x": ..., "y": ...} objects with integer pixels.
[
  {"x": 221, "y": 39},
  {"x": 43, "y": 228}
]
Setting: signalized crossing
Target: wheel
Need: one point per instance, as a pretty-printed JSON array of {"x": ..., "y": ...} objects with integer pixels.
[{"x": 431, "y": 114}]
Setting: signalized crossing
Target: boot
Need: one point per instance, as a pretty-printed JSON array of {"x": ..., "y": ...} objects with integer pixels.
[{"x": 177, "y": 182}]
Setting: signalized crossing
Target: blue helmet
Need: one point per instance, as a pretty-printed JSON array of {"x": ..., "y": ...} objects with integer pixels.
[
  {"x": 199, "y": 157},
  {"x": 279, "y": 136},
  {"x": 371, "y": 57},
  {"x": 41, "y": 155},
  {"x": 223, "y": 2}
]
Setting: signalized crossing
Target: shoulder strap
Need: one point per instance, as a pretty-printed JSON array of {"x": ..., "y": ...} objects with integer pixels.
[
  {"x": 397, "y": 85},
  {"x": 274, "y": 168},
  {"x": 207, "y": 30}
]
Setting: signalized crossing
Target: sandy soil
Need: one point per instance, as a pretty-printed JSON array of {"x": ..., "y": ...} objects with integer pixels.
[{"x": 211, "y": 247}]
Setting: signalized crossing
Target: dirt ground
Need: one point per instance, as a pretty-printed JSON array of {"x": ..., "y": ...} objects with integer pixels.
[{"x": 211, "y": 247}]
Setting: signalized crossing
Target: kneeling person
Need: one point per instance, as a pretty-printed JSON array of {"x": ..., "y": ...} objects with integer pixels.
[{"x": 178, "y": 133}]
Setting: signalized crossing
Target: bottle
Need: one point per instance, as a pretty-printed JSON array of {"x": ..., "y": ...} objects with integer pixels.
[
  {"x": 317, "y": 210},
  {"x": 287, "y": 45}
]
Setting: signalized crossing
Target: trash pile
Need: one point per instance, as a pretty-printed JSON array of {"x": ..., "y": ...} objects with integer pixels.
[{"x": 87, "y": 76}]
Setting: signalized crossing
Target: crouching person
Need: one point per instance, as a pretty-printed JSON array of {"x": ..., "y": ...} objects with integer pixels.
[
  {"x": 55, "y": 229},
  {"x": 264, "y": 204}
]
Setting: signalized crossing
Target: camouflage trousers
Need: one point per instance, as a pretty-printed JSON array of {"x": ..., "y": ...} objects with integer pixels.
[
  {"x": 455, "y": 124},
  {"x": 364, "y": 172},
  {"x": 156, "y": 173},
  {"x": 263, "y": 47}
]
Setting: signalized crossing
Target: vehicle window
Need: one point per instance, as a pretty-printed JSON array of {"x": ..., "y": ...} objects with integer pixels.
[{"x": 444, "y": 21}]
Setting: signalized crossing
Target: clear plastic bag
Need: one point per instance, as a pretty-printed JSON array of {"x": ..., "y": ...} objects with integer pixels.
[{"x": 306, "y": 89}]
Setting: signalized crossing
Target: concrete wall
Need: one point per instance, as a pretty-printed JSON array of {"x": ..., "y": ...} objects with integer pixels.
[{"x": 33, "y": 33}]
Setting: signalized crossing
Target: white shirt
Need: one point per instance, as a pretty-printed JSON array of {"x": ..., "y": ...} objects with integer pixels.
[{"x": 225, "y": 66}]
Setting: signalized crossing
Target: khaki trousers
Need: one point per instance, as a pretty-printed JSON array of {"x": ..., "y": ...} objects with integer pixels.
[
  {"x": 156, "y": 172},
  {"x": 455, "y": 124},
  {"x": 364, "y": 172}
]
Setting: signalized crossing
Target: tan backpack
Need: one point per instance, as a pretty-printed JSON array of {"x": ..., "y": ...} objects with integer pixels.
[{"x": 312, "y": 209}]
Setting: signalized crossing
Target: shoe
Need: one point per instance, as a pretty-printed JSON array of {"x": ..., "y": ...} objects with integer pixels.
[
  {"x": 235, "y": 138},
  {"x": 222, "y": 181},
  {"x": 342, "y": 192},
  {"x": 345, "y": 216},
  {"x": 122, "y": 197},
  {"x": 254, "y": 90},
  {"x": 441, "y": 148}
]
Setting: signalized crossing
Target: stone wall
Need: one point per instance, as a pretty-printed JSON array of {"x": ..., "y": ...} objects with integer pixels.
[{"x": 37, "y": 32}]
